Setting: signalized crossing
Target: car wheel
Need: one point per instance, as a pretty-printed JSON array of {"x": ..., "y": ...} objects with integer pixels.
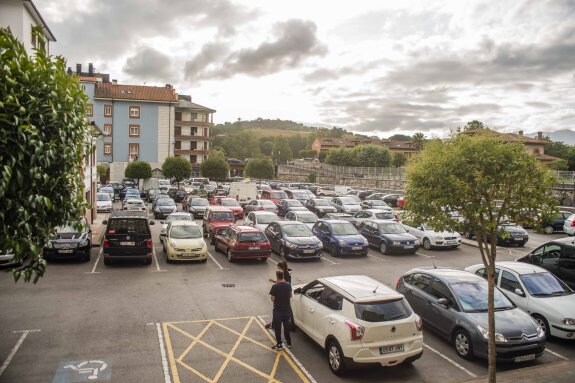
[
  {"x": 462, "y": 344},
  {"x": 107, "y": 262},
  {"x": 548, "y": 230},
  {"x": 86, "y": 257},
  {"x": 163, "y": 248},
  {"x": 334, "y": 252},
  {"x": 212, "y": 239},
  {"x": 230, "y": 258},
  {"x": 205, "y": 232},
  {"x": 335, "y": 358},
  {"x": 281, "y": 253},
  {"x": 426, "y": 244},
  {"x": 541, "y": 321},
  {"x": 468, "y": 235},
  {"x": 383, "y": 248},
  {"x": 148, "y": 261}
]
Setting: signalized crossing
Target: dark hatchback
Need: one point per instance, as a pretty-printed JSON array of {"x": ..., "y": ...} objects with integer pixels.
[
  {"x": 340, "y": 238},
  {"x": 319, "y": 206},
  {"x": 293, "y": 239},
  {"x": 128, "y": 237},
  {"x": 508, "y": 233},
  {"x": 72, "y": 241},
  {"x": 388, "y": 236}
]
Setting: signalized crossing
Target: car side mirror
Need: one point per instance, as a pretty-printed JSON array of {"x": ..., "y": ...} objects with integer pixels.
[
  {"x": 163, "y": 234},
  {"x": 152, "y": 223},
  {"x": 519, "y": 292},
  {"x": 105, "y": 222},
  {"x": 443, "y": 302},
  {"x": 297, "y": 291}
]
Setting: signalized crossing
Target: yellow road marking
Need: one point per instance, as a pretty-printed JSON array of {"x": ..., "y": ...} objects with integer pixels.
[{"x": 173, "y": 366}]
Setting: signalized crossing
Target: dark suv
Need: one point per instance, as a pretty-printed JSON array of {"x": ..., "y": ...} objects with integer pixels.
[
  {"x": 71, "y": 241},
  {"x": 128, "y": 237}
]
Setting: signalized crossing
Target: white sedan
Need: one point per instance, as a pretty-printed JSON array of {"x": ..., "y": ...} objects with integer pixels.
[
  {"x": 134, "y": 204},
  {"x": 430, "y": 238},
  {"x": 539, "y": 293},
  {"x": 260, "y": 219}
]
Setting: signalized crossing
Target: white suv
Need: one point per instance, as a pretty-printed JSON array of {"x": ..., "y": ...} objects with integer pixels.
[{"x": 357, "y": 319}]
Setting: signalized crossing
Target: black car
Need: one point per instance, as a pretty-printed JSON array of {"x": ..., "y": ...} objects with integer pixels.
[
  {"x": 293, "y": 239},
  {"x": 557, "y": 256},
  {"x": 319, "y": 206},
  {"x": 287, "y": 205},
  {"x": 388, "y": 236},
  {"x": 549, "y": 226},
  {"x": 128, "y": 237},
  {"x": 118, "y": 187},
  {"x": 364, "y": 193},
  {"x": 179, "y": 195},
  {"x": 72, "y": 241},
  {"x": 164, "y": 207},
  {"x": 508, "y": 233}
]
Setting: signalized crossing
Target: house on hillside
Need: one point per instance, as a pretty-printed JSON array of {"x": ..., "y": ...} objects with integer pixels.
[{"x": 325, "y": 144}]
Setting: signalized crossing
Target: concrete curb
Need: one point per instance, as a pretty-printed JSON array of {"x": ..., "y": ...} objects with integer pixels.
[{"x": 557, "y": 372}]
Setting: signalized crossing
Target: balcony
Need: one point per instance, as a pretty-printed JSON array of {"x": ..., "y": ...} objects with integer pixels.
[
  {"x": 192, "y": 137},
  {"x": 191, "y": 151},
  {"x": 193, "y": 122}
]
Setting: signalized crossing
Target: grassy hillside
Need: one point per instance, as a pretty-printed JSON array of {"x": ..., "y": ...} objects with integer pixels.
[{"x": 266, "y": 132}]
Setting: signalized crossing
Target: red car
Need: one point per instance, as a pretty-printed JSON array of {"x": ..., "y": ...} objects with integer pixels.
[
  {"x": 274, "y": 195},
  {"x": 216, "y": 219},
  {"x": 232, "y": 204},
  {"x": 243, "y": 242}
]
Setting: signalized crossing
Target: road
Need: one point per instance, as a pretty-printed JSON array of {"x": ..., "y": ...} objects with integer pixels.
[{"x": 201, "y": 322}]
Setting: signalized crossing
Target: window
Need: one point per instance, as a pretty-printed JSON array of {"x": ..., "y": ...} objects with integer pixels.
[
  {"x": 421, "y": 281},
  {"x": 83, "y": 87},
  {"x": 194, "y": 116},
  {"x": 331, "y": 299},
  {"x": 107, "y": 110},
  {"x": 107, "y": 129},
  {"x": 134, "y": 112},
  {"x": 90, "y": 110},
  {"x": 314, "y": 291},
  {"x": 193, "y": 159},
  {"x": 178, "y": 145},
  {"x": 134, "y": 150},
  {"x": 178, "y": 116},
  {"x": 509, "y": 282},
  {"x": 177, "y": 131},
  {"x": 134, "y": 131},
  {"x": 108, "y": 149},
  {"x": 33, "y": 40}
]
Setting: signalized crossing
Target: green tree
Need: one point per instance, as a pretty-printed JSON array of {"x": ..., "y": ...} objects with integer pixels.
[
  {"x": 178, "y": 168},
  {"x": 399, "y": 137},
  {"x": 369, "y": 155},
  {"x": 418, "y": 140},
  {"x": 339, "y": 156},
  {"x": 474, "y": 126},
  {"x": 297, "y": 143},
  {"x": 44, "y": 139},
  {"x": 267, "y": 147},
  {"x": 138, "y": 170},
  {"x": 399, "y": 160},
  {"x": 308, "y": 153},
  {"x": 215, "y": 167},
  {"x": 559, "y": 164},
  {"x": 260, "y": 168},
  {"x": 477, "y": 176},
  {"x": 559, "y": 149},
  {"x": 322, "y": 156},
  {"x": 282, "y": 151},
  {"x": 102, "y": 173}
]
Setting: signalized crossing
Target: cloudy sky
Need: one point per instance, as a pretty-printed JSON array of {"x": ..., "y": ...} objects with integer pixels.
[{"x": 374, "y": 67}]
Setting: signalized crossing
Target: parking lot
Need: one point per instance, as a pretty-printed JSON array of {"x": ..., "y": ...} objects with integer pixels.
[{"x": 202, "y": 322}]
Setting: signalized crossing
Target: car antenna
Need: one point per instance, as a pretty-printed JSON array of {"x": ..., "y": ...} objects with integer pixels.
[
  {"x": 432, "y": 261},
  {"x": 374, "y": 290}
]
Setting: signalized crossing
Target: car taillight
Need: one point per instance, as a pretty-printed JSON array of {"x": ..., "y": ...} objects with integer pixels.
[
  {"x": 398, "y": 283},
  {"x": 261, "y": 208},
  {"x": 356, "y": 331},
  {"x": 418, "y": 323},
  {"x": 106, "y": 243},
  {"x": 149, "y": 243},
  {"x": 572, "y": 223}
]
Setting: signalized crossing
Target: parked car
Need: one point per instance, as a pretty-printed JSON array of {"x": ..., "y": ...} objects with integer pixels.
[
  {"x": 390, "y": 199},
  {"x": 260, "y": 219},
  {"x": 104, "y": 202},
  {"x": 71, "y": 241},
  {"x": 325, "y": 191},
  {"x": 508, "y": 233},
  {"x": 431, "y": 239},
  {"x": 196, "y": 206},
  {"x": 129, "y": 193},
  {"x": 345, "y": 205},
  {"x": 183, "y": 241},
  {"x": 292, "y": 239},
  {"x": 151, "y": 193},
  {"x": 261, "y": 204},
  {"x": 117, "y": 187},
  {"x": 358, "y": 321},
  {"x": 375, "y": 204},
  {"x": 299, "y": 194},
  {"x": 306, "y": 217},
  {"x": 454, "y": 304},
  {"x": 537, "y": 292},
  {"x": 164, "y": 207},
  {"x": 109, "y": 190},
  {"x": 243, "y": 242},
  {"x": 556, "y": 256},
  {"x": 274, "y": 195},
  {"x": 340, "y": 238},
  {"x": 179, "y": 195},
  {"x": 319, "y": 206},
  {"x": 177, "y": 216},
  {"x": 232, "y": 204},
  {"x": 217, "y": 218},
  {"x": 549, "y": 226},
  {"x": 128, "y": 237},
  {"x": 364, "y": 193},
  {"x": 134, "y": 204},
  {"x": 366, "y": 214},
  {"x": 344, "y": 216},
  {"x": 287, "y": 205},
  {"x": 8, "y": 259},
  {"x": 569, "y": 225},
  {"x": 389, "y": 237}
]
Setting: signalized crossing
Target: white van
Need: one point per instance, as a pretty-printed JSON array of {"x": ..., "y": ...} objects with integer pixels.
[{"x": 243, "y": 192}]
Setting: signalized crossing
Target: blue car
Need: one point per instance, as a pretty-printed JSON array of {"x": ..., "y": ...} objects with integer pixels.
[{"x": 340, "y": 237}]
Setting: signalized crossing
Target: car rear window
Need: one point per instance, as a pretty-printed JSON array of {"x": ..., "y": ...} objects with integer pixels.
[
  {"x": 383, "y": 311},
  {"x": 223, "y": 216},
  {"x": 252, "y": 237},
  {"x": 128, "y": 226},
  {"x": 279, "y": 195}
]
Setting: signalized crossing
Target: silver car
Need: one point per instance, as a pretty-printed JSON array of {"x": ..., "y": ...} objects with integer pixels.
[{"x": 345, "y": 205}]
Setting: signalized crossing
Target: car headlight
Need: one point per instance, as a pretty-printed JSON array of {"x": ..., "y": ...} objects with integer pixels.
[
  {"x": 84, "y": 243},
  {"x": 157, "y": 210},
  {"x": 341, "y": 242},
  {"x": 498, "y": 337},
  {"x": 568, "y": 321},
  {"x": 291, "y": 245},
  {"x": 50, "y": 245},
  {"x": 172, "y": 243}
]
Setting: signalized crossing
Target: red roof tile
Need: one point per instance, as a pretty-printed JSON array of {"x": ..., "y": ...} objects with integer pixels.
[{"x": 135, "y": 92}]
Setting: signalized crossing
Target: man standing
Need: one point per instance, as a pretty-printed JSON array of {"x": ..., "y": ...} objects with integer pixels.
[{"x": 281, "y": 294}]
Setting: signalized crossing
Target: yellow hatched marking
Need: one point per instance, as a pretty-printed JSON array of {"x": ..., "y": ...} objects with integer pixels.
[{"x": 173, "y": 366}]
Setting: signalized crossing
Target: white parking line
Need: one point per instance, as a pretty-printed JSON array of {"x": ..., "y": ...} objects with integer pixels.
[
  {"x": 96, "y": 263},
  {"x": 156, "y": 261},
  {"x": 376, "y": 257},
  {"x": 273, "y": 260},
  {"x": 15, "y": 349},
  {"x": 330, "y": 261},
  {"x": 451, "y": 361},
  {"x": 556, "y": 354},
  {"x": 216, "y": 262},
  {"x": 165, "y": 367}
]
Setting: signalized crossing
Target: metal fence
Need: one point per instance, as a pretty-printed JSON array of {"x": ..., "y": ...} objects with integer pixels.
[
  {"x": 567, "y": 177},
  {"x": 326, "y": 170}
]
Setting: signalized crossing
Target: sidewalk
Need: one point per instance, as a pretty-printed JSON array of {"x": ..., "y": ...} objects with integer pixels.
[
  {"x": 98, "y": 230},
  {"x": 559, "y": 372}
]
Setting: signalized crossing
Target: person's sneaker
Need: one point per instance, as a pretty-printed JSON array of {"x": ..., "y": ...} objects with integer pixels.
[
  {"x": 268, "y": 325},
  {"x": 277, "y": 347},
  {"x": 288, "y": 345}
]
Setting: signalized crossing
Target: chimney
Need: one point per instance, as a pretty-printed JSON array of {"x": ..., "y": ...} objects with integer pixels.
[
  {"x": 78, "y": 68},
  {"x": 90, "y": 69},
  {"x": 69, "y": 70},
  {"x": 521, "y": 132},
  {"x": 114, "y": 81},
  {"x": 106, "y": 78},
  {"x": 540, "y": 135},
  {"x": 169, "y": 86}
]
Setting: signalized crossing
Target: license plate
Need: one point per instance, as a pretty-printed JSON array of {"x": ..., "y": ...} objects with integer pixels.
[
  {"x": 127, "y": 243},
  {"x": 408, "y": 247},
  {"x": 254, "y": 247},
  {"x": 65, "y": 251},
  {"x": 308, "y": 251},
  {"x": 189, "y": 255},
  {"x": 451, "y": 242},
  {"x": 356, "y": 247},
  {"x": 391, "y": 349},
  {"x": 524, "y": 358}
]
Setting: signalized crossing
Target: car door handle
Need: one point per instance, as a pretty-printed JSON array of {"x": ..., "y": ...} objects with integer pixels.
[
  {"x": 311, "y": 311},
  {"x": 331, "y": 321}
]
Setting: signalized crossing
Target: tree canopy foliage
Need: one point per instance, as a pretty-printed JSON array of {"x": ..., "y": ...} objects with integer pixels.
[
  {"x": 215, "y": 167},
  {"x": 261, "y": 168},
  {"x": 282, "y": 151},
  {"x": 487, "y": 181},
  {"x": 361, "y": 155},
  {"x": 178, "y": 168},
  {"x": 138, "y": 170},
  {"x": 44, "y": 139}
]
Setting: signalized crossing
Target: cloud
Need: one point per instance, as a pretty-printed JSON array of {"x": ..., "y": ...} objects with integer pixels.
[
  {"x": 295, "y": 41},
  {"x": 149, "y": 63}
]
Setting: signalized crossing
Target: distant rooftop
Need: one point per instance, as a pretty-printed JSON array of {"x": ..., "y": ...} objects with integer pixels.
[{"x": 135, "y": 92}]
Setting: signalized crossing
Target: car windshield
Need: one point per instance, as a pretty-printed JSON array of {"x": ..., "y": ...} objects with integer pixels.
[
  {"x": 299, "y": 195},
  {"x": 385, "y": 215},
  {"x": 307, "y": 218},
  {"x": 230, "y": 202},
  {"x": 343, "y": 229},
  {"x": 278, "y": 194},
  {"x": 391, "y": 228},
  {"x": 69, "y": 229},
  {"x": 382, "y": 311},
  {"x": 293, "y": 203},
  {"x": 321, "y": 202},
  {"x": 107, "y": 190},
  {"x": 185, "y": 231},
  {"x": 297, "y": 231},
  {"x": 135, "y": 203},
  {"x": 223, "y": 216},
  {"x": 199, "y": 202},
  {"x": 266, "y": 202},
  {"x": 252, "y": 237},
  {"x": 348, "y": 201},
  {"x": 266, "y": 218},
  {"x": 103, "y": 197},
  {"x": 472, "y": 297},
  {"x": 544, "y": 285},
  {"x": 132, "y": 192},
  {"x": 178, "y": 217},
  {"x": 166, "y": 202},
  {"x": 377, "y": 202}
]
